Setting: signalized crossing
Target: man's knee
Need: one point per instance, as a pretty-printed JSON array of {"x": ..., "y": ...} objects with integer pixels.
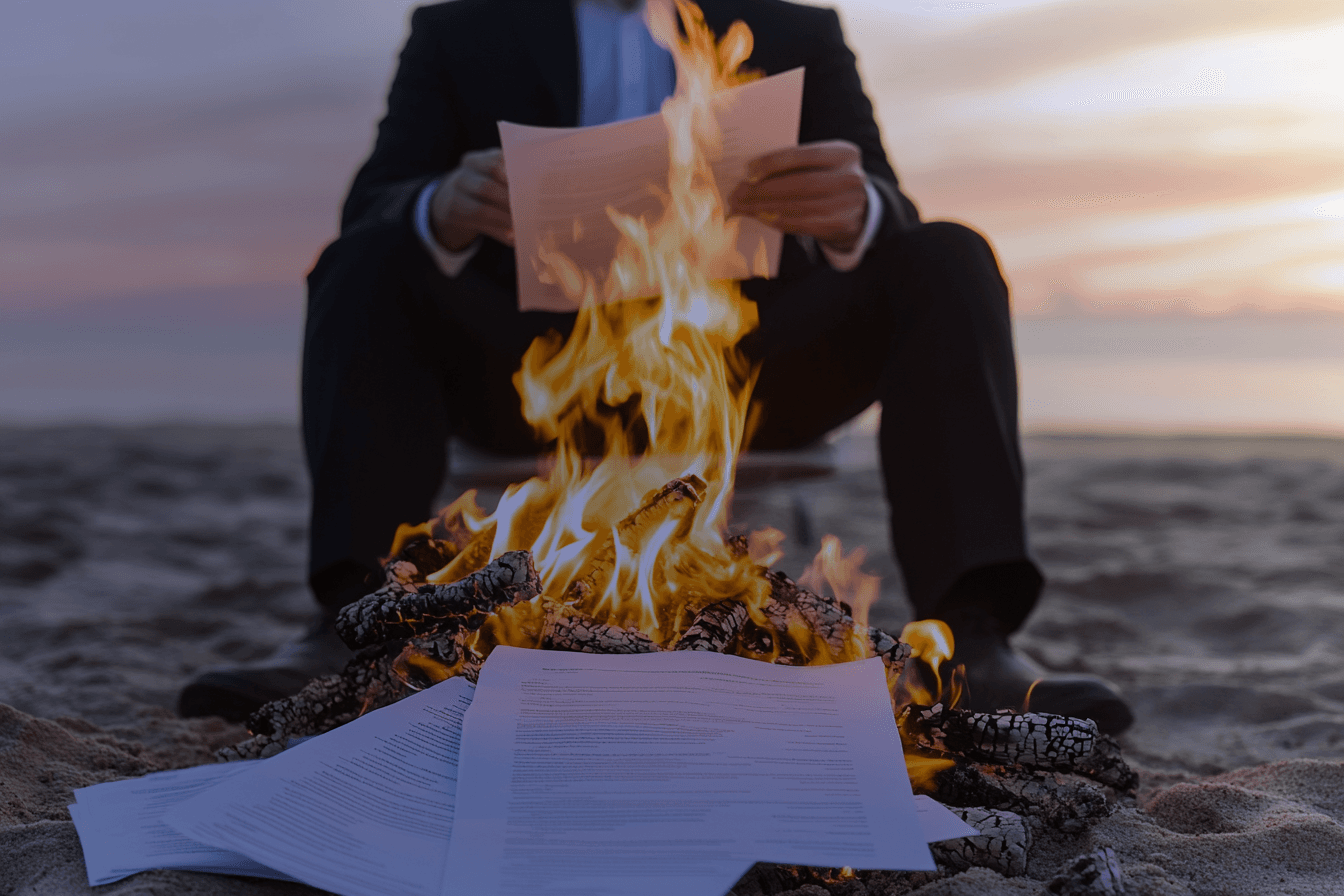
[
  {"x": 949, "y": 244},
  {"x": 947, "y": 266}
]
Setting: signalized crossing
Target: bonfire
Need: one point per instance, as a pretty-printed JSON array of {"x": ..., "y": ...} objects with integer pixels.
[{"x": 627, "y": 550}]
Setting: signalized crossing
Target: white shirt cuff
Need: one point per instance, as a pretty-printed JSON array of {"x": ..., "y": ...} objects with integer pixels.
[
  {"x": 848, "y": 261},
  {"x": 450, "y": 263}
]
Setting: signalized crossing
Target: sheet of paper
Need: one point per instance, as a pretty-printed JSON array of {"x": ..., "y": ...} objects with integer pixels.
[
  {"x": 562, "y": 180},
  {"x": 122, "y": 832},
  {"x": 937, "y": 822},
  {"x": 671, "y": 773},
  {"x": 362, "y": 810}
]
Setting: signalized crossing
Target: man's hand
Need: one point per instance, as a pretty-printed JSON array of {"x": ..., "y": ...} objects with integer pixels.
[
  {"x": 818, "y": 189},
  {"x": 472, "y": 200}
]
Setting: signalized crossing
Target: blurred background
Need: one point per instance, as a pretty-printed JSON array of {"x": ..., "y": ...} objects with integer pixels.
[{"x": 1163, "y": 180}]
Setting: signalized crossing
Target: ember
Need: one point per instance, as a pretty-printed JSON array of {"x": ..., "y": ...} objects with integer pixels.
[{"x": 630, "y": 553}]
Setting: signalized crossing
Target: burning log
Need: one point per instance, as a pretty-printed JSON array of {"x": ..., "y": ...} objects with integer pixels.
[
  {"x": 1096, "y": 873},
  {"x": 794, "y": 611},
  {"x": 715, "y": 627},
  {"x": 676, "y": 500},
  {"x": 1032, "y": 739},
  {"x": 471, "y": 558},
  {"x": 376, "y": 677},
  {"x": 573, "y": 631},
  {"x": 1003, "y": 844},
  {"x": 384, "y": 616}
]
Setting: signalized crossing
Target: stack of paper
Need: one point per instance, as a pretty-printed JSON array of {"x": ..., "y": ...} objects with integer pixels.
[{"x": 655, "y": 773}]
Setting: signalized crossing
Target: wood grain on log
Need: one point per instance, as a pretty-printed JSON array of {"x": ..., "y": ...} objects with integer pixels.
[
  {"x": 1063, "y": 801},
  {"x": 1032, "y": 739},
  {"x": 382, "y": 617},
  {"x": 1095, "y": 873},
  {"x": 570, "y": 630},
  {"x": 1106, "y": 764},
  {"x": 714, "y": 627},
  {"x": 1003, "y": 845}
]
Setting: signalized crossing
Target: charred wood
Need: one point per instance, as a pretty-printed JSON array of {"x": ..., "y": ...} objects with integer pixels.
[
  {"x": 384, "y": 616},
  {"x": 676, "y": 500},
  {"x": 1003, "y": 845},
  {"x": 1106, "y": 764},
  {"x": 1033, "y": 739},
  {"x": 570, "y": 630},
  {"x": 715, "y": 627},
  {"x": 1063, "y": 801},
  {"x": 1096, "y": 873}
]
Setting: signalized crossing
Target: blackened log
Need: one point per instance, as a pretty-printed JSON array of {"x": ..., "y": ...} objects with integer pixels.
[
  {"x": 381, "y": 617},
  {"x": 1063, "y": 801},
  {"x": 792, "y": 609},
  {"x": 1106, "y": 764},
  {"x": 1003, "y": 845},
  {"x": 1095, "y": 873},
  {"x": 676, "y": 499},
  {"x": 471, "y": 558},
  {"x": 894, "y": 653},
  {"x": 573, "y": 631},
  {"x": 715, "y": 627},
  {"x": 1032, "y": 739}
]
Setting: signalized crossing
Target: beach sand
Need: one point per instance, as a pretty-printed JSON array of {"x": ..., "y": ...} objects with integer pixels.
[{"x": 1204, "y": 575}]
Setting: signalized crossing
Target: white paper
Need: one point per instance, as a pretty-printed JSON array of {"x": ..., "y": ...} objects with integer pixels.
[
  {"x": 560, "y": 176},
  {"x": 121, "y": 828},
  {"x": 672, "y": 773},
  {"x": 938, "y": 823},
  {"x": 365, "y": 809}
]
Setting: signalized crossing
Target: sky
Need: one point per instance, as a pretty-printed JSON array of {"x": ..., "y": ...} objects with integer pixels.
[{"x": 168, "y": 163}]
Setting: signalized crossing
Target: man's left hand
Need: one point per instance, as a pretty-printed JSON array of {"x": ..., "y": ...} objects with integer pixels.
[{"x": 818, "y": 189}]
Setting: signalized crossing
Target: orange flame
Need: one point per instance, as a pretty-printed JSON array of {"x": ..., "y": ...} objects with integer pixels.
[
  {"x": 651, "y": 383},
  {"x": 658, "y": 381},
  {"x": 843, "y": 577}
]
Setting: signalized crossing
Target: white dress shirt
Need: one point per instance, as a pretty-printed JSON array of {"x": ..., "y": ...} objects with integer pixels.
[{"x": 623, "y": 74}]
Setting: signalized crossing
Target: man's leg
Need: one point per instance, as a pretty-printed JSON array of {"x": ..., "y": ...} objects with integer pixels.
[
  {"x": 391, "y": 362},
  {"x": 923, "y": 326}
]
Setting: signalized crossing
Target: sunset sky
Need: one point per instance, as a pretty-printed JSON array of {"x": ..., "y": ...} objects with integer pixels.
[{"x": 1126, "y": 157}]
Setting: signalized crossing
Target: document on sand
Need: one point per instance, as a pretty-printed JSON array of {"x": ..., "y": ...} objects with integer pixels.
[
  {"x": 364, "y": 810},
  {"x": 562, "y": 181},
  {"x": 670, "y": 773},
  {"x": 122, "y": 832}
]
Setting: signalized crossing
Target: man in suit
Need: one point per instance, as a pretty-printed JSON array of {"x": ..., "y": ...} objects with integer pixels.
[{"x": 413, "y": 329}]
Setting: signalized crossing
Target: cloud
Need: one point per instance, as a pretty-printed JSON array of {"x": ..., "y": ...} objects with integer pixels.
[
  {"x": 1000, "y": 52},
  {"x": 1030, "y": 191}
]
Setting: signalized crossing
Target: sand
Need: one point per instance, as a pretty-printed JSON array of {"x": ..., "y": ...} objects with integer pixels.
[{"x": 1205, "y": 576}]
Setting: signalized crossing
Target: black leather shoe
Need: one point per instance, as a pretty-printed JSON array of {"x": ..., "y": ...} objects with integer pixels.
[
  {"x": 998, "y": 677},
  {"x": 234, "y": 693}
]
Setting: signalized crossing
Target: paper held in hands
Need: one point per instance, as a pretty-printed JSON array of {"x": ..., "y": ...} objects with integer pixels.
[{"x": 563, "y": 180}]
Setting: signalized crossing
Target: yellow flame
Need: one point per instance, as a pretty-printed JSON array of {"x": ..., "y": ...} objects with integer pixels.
[
  {"x": 843, "y": 577},
  {"x": 648, "y": 388}
]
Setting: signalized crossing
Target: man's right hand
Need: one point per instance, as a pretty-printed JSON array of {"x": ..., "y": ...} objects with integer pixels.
[{"x": 472, "y": 200}]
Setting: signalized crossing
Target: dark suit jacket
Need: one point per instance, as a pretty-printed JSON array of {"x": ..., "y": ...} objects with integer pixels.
[{"x": 471, "y": 63}]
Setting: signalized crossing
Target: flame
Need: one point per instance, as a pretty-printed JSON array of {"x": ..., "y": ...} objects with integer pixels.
[
  {"x": 844, "y": 578},
  {"x": 924, "y": 769},
  {"x": 647, "y": 403},
  {"x": 650, "y": 382},
  {"x": 931, "y": 645}
]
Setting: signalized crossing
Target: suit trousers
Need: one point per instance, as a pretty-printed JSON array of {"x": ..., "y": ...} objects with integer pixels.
[{"x": 398, "y": 357}]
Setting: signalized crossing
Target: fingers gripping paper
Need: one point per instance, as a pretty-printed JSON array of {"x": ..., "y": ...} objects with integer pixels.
[
  {"x": 672, "y": 773},
  {"x": 563, "y": 181}
]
